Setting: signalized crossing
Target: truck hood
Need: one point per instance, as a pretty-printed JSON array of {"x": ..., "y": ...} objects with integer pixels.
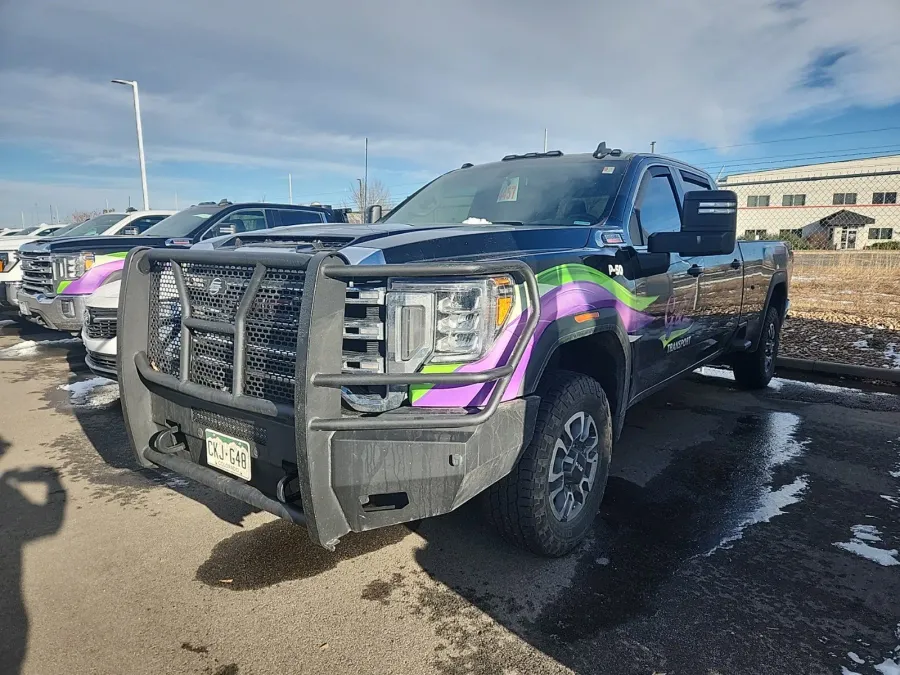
[
  {"x": 399, "y": 243},
  {"x": 99, "y": 244},
  {"x": 13, "y": 243}
]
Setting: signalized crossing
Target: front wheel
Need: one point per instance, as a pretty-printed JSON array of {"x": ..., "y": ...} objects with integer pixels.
[
  {"x": 550, "y": 499},
  {"x": 754, "y": 370}
]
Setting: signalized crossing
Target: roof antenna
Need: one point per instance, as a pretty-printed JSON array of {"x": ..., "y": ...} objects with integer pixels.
[{"x": 601, "y": 151}]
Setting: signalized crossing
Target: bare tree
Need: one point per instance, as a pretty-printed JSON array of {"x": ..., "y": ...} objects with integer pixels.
[
  {"x": 376, "y": 193},
  {"x": 81, "y": 216}
]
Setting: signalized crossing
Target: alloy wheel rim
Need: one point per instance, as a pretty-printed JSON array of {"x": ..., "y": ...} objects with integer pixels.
[
  {"x": 573, "y": 466},
  {"x": 771, "y": 338}
]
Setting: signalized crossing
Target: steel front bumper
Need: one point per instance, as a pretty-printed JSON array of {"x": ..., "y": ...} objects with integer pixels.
[
  {"x": 61, "y": 312},
  {"x": 315, "y": 463}
]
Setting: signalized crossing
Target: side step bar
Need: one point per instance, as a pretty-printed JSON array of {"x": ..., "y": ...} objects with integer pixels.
[{"x": 230, "y": 486}]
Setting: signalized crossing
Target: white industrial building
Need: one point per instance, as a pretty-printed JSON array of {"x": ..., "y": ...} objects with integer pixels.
[{"x": 836, "y": 205}]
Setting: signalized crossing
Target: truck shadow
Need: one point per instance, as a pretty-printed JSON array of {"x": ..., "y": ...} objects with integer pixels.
[
  {"x": 23, "y": 521},
  {"x": 658, "y": 515}
]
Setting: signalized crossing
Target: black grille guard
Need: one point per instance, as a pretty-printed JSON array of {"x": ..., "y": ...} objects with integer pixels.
[
  {"x": 317, "y": 412},
  {"x": 323, "y": 271}
]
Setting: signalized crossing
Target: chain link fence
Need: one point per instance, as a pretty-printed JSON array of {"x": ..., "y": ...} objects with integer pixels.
[{"x": 842, "y": 221}]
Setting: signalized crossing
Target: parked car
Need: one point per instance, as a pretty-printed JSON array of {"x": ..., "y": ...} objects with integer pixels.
[
  {"x": 99, "y": 327},
  {"x": 62, "y": 274},
  {"x": 487, "y": 337},
  {"x": 10, "y": 270}
]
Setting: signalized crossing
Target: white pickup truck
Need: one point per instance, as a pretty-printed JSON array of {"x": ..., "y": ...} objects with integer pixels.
[{"x": 10, "y": 270}]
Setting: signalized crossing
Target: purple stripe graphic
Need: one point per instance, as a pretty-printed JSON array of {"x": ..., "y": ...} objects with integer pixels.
[
  {"x": 92, "y": 279},
  {"x": 565, "y": 300}
]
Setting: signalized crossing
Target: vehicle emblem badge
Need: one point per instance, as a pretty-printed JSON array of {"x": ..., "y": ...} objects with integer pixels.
[{"x": 215, "y": 286}]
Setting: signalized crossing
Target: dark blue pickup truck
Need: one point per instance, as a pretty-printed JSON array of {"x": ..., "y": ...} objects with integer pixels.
[
  {"x": 486, "y": 338},
  {"x": 59, "y": 274}
]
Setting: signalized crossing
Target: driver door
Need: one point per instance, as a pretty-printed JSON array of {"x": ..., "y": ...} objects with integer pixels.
[{"x": 667, "y": 346}]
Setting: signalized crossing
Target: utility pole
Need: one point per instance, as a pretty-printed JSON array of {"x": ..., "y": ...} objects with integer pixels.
[
  {"x": 51, "y": 214},
  {"x": 140, "y": 138},
  {"x": 652, "y": 147},
  {"x": 23, "y": 220},
  {"x": 545, "y": 139},
  {"x": 365, "y": 186},
  {"x": 290, "y": 190}
]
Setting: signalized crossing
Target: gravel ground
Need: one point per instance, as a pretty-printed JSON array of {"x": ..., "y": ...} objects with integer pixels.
[{"x": 828, "y": 339}]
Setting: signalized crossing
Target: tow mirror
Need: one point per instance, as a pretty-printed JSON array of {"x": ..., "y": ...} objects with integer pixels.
[
  {"x": 373, "y": 213},
  {"x": 708, "y": 226}
]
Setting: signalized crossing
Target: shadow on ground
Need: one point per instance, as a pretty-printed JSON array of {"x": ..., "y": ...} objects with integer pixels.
[{"x": 32, "y": 506}]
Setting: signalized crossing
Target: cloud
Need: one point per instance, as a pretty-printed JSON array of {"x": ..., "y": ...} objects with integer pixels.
[{"x": 297, "y": 86}]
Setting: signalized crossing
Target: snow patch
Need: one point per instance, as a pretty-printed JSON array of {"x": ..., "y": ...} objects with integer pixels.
[
  {"x": 94, "y": 393},
  {"x": 860, "y": 344},
  {"x": 846, "y": 671},
  {"x": 892, "y": 500},
  {"x": 476, "y": 221},
  {"x": 858, "y": 545},
  {"x": 32, "y": 347},
  {"x": 772, "y": 502},
  {"x": 855, "y": 658},
  {"x": 895, "y": 474},
  {"x": 889, "y": 667},
  {"x": 778, "y": 383},
  {"x": 892, "y": 354}
]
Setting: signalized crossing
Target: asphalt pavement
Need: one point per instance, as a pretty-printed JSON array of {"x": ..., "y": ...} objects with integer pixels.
[{"x": 740, "y": 533}]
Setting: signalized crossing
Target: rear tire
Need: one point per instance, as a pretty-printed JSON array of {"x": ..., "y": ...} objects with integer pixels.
[
  {"x": 754, "y": 370},
  {"x": 548, "y": 502}
]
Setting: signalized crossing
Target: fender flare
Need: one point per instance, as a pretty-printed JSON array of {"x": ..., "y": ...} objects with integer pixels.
[
  {"x": 778, "y": 278},
  {"x": 565, "y": 331}
]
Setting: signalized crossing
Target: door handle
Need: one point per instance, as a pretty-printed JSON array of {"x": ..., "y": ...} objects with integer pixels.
[
  {"x": 735, "y": 264},
  {"x": 695, "y": 270}
]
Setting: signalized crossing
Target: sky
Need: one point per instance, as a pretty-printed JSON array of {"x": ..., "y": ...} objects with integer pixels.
[{"x": 237, "y": 95}]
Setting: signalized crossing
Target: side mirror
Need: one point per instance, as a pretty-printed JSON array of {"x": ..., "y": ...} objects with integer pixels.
[
  {"x": 708, "y": 226},
  {"x": 373, "y": 213}
]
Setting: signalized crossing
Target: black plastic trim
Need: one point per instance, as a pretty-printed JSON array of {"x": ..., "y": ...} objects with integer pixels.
[{"x": 230, "y": 486}]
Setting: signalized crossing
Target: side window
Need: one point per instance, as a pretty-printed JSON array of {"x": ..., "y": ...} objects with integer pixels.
[
  {"x": 141, "y": 224},
  {"x": 657, "y": 207},
  {"x": 293, "y": 217},
  {"x": 237, "y": 222},
  {"x": 694, "y": 182}
]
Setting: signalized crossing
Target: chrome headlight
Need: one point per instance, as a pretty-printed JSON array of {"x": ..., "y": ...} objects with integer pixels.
[
  {"x": 72, "y": 266},
  {"x": 444, "y": 322}
]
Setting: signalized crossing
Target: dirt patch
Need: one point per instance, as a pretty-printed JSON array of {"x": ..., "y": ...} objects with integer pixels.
[{"x": 828, "y": 339}]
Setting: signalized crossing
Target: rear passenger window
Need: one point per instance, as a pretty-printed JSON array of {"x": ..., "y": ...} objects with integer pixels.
[
  {"x": 657, "y": 206},
  {"x": 300, "y": 217}
]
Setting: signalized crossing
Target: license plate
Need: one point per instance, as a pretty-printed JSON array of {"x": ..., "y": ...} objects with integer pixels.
[
  {"x": 228, "y": 454},
  {"x": 24, "y": 309}
]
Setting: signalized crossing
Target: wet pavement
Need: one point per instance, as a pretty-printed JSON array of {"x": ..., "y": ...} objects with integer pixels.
[{"x": 740, "y": 533}]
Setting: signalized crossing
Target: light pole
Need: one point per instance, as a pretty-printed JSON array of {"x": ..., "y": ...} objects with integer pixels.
[{"x": 140, "y": 137}]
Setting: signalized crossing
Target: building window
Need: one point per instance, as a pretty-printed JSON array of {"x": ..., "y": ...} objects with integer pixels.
[
  {"x": 793, "y": 200},
  {"x": 758, "y": 200},
  {"x": 755, "y": 235},
  {"x": 844, "y": 198},
  {"x": 884, "y": 197},
  {"x": 881, "y": 233}
]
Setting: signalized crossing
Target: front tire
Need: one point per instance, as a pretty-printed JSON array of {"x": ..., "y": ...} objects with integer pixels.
[
  {"x": 754, "y": 370},
  {"x": 550, "y": 499}
]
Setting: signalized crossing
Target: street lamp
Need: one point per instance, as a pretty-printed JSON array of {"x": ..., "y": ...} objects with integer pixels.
[{"x": 140, "y": 138}]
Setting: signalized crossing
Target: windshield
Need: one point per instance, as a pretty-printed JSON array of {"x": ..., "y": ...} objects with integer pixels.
[
  {"x": 184, "y": 223},
  {"x": 27, "y": 230},
  {"x": 62, "y": 231},
  {"x": 543, "y": 191},
  {"x": 92, "y": 227}
]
